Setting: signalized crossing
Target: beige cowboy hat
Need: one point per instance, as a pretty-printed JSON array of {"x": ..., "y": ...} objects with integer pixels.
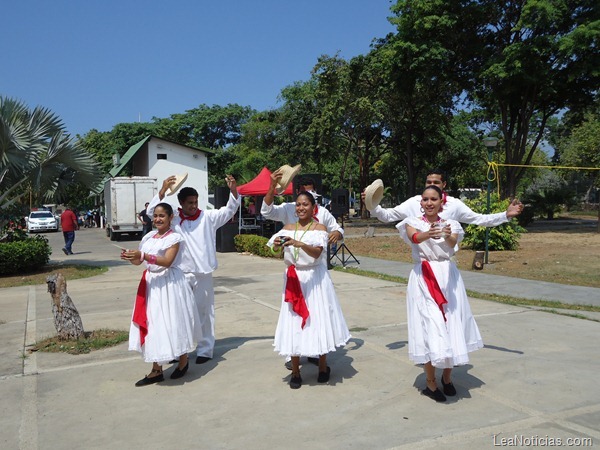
[
  {"x": 179, "y": 180},
  {"x": 288, "y": 175},
  {"x": 373, "y": 194}
]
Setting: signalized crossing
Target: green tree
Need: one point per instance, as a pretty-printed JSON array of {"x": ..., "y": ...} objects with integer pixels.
[
  {"x": 38, "y": 158},
  {"x": 216, "y": 128},
  {"x": 349, "y": 123},
  {"x": 548, "y": 195},
  {"x": 582, "y": 149},
  {"x": 421, "y": 69},
  {"x": 209, "y": 127},
  {"x": 535, "y": 58},
  {"x": 103, "y": 145}
]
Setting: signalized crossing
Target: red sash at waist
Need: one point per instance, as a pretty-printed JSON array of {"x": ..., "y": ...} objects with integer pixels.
[
  {"x": 293, "y": 294},
  {"x": 433, "y": 286},
  {"x": 139, "y": 310}
]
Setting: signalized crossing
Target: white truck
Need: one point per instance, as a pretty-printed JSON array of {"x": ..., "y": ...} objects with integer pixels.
[{"x": 124, "y": 198}]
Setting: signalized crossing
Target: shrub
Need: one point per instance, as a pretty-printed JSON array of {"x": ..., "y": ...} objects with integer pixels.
[
  {"x": 24, "y": 255},
  {"x": 503, "y": 237},
  {"x": 257, "y": 245},
  {"x": 548, "y": 194}
]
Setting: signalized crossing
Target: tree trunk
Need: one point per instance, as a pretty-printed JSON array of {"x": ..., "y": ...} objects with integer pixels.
[{"x": 67, "y": 320}]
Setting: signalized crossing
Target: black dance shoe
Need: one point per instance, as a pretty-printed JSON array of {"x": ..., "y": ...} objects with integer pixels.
[
  {"x": 146, "y": 381},
  {"x": 324, "y": 376},
  {"x": 295, "y": 381},
  {"x": 178, "y": 373},
  {"x": 435, "y": 395},
  {"x": 449, "y": 389}
]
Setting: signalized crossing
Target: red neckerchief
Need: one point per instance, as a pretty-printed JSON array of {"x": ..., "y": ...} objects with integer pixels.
[
  {"x": 433, "y": 286},
  {"x": 315, "y": 211},
  {"x": 139, "y": 310},
  {"x": 293, "y": 294},
  {"x": 444, "y": 195},
  {"x": 190, "y": 218}
]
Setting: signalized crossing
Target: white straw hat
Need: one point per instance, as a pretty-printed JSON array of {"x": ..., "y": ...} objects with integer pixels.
[
  {"x": 288, "y": 175},
  {"x": 373, "y": 194},
  {"x": 179, "y": 180}
]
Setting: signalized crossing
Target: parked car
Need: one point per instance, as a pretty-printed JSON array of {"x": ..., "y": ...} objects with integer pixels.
[{"x": 41, "y": 221}]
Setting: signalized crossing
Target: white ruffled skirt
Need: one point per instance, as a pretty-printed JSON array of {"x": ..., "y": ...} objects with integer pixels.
[
  {"x": 173, "y": 321},
  {"x": 325, "y": 328},
  {"x": 430, "y": 339}
]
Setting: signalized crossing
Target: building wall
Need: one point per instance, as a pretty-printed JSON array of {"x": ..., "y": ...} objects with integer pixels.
[{"x": 176, "y": 159}]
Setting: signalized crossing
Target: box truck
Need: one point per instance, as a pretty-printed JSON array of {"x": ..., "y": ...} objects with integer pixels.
[{"x": 124, "y": 198}]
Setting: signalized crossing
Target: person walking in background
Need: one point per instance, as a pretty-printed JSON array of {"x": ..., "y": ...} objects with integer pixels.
[
  {"x": 68, "y": 223},
  {"x": 199, "y": 259},
  {"x": 165, "y": 323},
  {"x": 441, "y": 327},
  {"x": 146, "y": 221},
  {"x": 310, "y": 322}
]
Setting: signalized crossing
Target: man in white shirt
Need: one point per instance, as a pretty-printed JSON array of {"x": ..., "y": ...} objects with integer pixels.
[
  {"x": 199, "y": 259},
  {"x": 453, "y": 208},
  {"x": 286, "y": 212}
]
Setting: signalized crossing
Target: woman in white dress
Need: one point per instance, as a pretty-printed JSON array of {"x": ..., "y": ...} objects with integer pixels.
[
  {"x": 310, "y": 322},
  {"x": 165, "y": 323},
  {"x": 441, "y": 327}
]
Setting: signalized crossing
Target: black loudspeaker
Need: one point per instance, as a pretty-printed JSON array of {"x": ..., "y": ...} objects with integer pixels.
[
  {"x": 221, "y": 196},
  {"x": 340, "y": 202},
  {"x": 225, "y": 236},
  {"x": 315, "y": 177}
]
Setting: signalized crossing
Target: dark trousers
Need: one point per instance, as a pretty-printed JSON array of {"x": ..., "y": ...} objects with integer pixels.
[{"x": 69, "y": 238}]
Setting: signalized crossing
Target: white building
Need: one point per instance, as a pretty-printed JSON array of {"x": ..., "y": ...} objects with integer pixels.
[{"x": 159, "y": 158}]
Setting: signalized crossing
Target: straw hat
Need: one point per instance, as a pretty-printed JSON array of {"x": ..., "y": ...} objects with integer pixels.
[
  {"x": 179, "y": 180},
  {"x": 288, "y": 175},
  {"x": 373, "y": 194}
]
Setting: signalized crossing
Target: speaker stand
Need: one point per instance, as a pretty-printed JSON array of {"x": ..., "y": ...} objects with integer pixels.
[{"x": 342, "y": 248}]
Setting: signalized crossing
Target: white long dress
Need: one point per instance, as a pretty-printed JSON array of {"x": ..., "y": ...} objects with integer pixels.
[
  {"x": 173, "y": 322},
  {"x": 431, "y": 339},
  {"x": 325, "y": 328}
]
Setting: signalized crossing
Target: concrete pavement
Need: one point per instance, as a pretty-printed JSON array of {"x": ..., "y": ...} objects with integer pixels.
[{"x": 533, "y": 381}]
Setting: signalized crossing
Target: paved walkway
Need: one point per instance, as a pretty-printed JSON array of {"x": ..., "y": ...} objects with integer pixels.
[
  {"x": 490, "y": 284},
  {"x": 530, "y": 384}
]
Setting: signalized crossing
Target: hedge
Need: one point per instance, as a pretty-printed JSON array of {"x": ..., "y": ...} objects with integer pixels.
[
  {"x": 24, "y": 256},
  {"x": 257, "y": 245}
]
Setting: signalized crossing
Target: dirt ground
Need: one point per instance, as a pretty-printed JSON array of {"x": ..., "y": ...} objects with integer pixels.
[{"x": 565, "y": 250}]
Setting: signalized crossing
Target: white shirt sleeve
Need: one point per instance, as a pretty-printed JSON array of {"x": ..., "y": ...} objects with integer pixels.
[
  {"x": 221, "y": 216},
  {"x": 153, "y": 203},
  {"x": 408, "y": 208},
  {"x": 329, "y": 221},
  {"x": 286, "y": 212},
  {"x": 463, "y": 214}
]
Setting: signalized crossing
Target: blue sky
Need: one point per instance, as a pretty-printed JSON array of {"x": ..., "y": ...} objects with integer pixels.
[{"x": 99, "y": 63}]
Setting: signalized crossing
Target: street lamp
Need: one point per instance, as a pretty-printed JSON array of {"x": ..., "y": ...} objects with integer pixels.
[{"x": 490, "y": 143}]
